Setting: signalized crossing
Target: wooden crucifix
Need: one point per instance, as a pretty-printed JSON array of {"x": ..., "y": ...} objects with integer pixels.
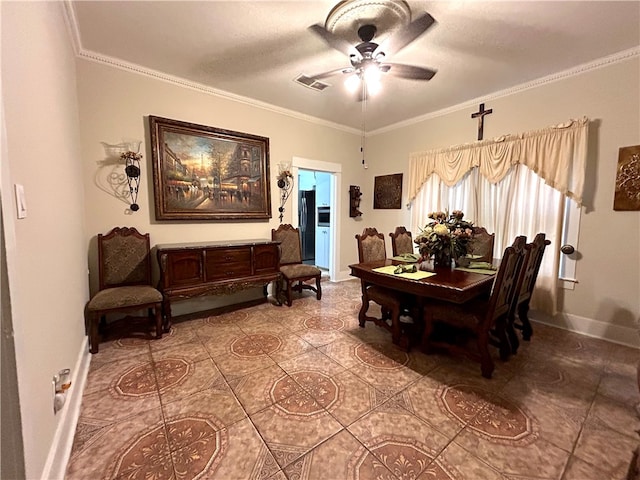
[{"x": 480, "y": 116}]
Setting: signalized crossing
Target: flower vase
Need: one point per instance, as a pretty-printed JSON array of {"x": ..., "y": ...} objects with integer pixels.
[{"x": 442, "y": 259}]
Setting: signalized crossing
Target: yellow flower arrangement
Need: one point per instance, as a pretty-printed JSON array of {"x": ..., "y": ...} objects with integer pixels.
[{"x": 445, "y": 237}]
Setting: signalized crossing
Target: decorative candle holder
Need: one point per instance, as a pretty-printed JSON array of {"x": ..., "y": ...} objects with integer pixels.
[{"x": 285, "y": 184}]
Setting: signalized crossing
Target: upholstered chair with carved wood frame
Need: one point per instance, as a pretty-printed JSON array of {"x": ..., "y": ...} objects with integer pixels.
[
  {"x": 401, "y": 241},
  {"x": 124, "y": 272},
  {"x": 482, "y": 319},
  {"x": 294, "y": 272},
  {"x": 526, "y": 284},
  {"x": 481, "y": 244},
  {"x": 371, "y": 248}
]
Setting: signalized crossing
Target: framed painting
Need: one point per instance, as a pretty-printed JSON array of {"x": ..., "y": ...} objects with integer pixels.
[
  {"x": 627, "y": 194},
  {"x": 206, "y": 173},
  {"x": 387, "y": 191}
]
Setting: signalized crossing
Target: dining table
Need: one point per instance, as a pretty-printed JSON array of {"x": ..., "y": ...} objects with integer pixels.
[{"x": 455, "y": 285}]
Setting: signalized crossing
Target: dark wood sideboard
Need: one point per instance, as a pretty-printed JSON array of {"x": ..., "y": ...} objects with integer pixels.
[{"x": 190, "y": 270}]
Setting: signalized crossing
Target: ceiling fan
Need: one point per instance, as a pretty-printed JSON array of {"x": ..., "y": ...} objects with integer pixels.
[{"x": 367, "y": 58}]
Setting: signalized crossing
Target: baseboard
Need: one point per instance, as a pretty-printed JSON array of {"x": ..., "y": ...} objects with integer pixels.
[
  {"x": 56, "y": 465},
  {"x": 628, "y": 336},
  {"x": 343, "y": 276}
]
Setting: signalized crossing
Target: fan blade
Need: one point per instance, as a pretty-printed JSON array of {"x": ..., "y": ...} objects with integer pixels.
[
  {"x": 330, "y": 73},
  {"x": 332, "y": 40},
  {"x": 405, "y": 36},
  {"x": 408, "y": 71}
]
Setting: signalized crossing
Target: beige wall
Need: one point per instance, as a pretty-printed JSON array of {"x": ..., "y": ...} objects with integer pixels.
[
  {"x": 58, "y": 160},
  {"x": 46, "y": 252},
  {"x": 609, "y": 243},
  {"x": 114, "y": 105}
]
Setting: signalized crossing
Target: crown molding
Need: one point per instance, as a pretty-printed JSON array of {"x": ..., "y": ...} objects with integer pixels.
[
  {"x": 122, "y": 65},
  {"x": 473, "y": 103}
]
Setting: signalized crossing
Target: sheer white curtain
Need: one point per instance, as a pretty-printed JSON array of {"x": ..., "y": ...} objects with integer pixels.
[{"x": 520, "y": 204}]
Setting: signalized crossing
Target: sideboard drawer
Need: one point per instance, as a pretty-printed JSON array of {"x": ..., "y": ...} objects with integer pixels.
[
  {"x": 228, "y": 255},
  {"x": 219, "y": 271}
]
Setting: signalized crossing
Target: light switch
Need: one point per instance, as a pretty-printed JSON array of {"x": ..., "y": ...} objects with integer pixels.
[{"x": 21, "y": 203}]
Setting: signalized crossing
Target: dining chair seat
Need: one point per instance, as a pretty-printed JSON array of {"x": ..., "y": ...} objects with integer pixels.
[
  {"x": 372, "y": 248},
  {"x": 294, "y": 273},
  {"x": 124, "y": 274}
]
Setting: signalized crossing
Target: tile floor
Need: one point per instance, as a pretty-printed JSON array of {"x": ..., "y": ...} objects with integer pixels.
[{"x": 279, "y": 393}]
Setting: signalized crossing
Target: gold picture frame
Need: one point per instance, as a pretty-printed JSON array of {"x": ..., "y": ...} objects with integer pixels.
[{"x": 207, "y": 173}]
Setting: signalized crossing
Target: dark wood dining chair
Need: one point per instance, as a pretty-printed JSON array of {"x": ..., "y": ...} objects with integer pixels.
[
  {"x": 481, "y": 244},
  {"x": 294, "y": 272},
  {"x": 372, "y": 248},
  {"x": 124, "y": 272},
  {"x": 480, "y": 322},
  {"x": 401, "y": 241},
  {"x": 526, "y": 284}
]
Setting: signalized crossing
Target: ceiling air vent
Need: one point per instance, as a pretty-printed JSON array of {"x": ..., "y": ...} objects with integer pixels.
[{"x": 311, "y": 83}]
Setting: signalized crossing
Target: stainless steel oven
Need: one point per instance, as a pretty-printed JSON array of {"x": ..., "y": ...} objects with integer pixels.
[{"x": 324, "y": 216}]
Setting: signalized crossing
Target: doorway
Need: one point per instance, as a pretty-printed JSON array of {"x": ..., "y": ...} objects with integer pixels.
[{"x": 315, "y": 208}]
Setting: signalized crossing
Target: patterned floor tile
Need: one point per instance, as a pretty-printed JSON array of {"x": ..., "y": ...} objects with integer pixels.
[
  {"x": 580, "y": 470},
  {"x": 234, "y": 453},
  {"x": 312, "y": 360},
  {"x": 340, "y": 457},
  {"x": 274, "y": 393},
  {"x": 294, "y": 425},
  {"x": 132, "y": 389},
  {"x": 134, "y": 448},
  {"x": 456, "y": 462},
  {"x": 617, "y": 416},
  {"x": 503, "y": 429},
  {"x": 191, "y": 351},
  {"x": 384, "y": 366},
  {"x": 557, "y": 423},
  {"x": 179, "y": 378},
  {"x": 180, "y": 333},
  {"x": 255, "y": 391},
  {"x": 403, "y": 443},
  {"x": 621, "y": 387},
  {"x": 342, "y": 350},
  {"x": 102, "y": 374},
  {"x": 119, "y": 349},
  {"x": 615, "y": 458}
]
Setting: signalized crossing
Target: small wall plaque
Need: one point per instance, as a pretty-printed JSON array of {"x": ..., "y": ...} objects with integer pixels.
[
  {"x": 387, "y": 191},
  {"x": 627, "y": 194}
]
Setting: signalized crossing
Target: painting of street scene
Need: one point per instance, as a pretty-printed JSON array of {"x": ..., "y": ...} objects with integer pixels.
[{"x": 205, "y": 173}]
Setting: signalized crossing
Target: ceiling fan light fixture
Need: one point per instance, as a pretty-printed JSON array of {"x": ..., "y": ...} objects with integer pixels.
[
  {"x": 352, "y": 83},
  {"x": 372, "y": 73},
  {"x": 373, "y": 86}
]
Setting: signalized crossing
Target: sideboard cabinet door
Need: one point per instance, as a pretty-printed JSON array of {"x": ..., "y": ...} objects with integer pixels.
[
  {"x": 184, "y": 268},
  {"x": 266, "y": 258}
]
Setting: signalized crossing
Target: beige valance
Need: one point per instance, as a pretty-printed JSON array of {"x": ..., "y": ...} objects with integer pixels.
[{"x": 558, "y": 154}]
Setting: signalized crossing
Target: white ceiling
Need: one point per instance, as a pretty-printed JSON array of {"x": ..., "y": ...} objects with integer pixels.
[{"x": 255, "y": 49}]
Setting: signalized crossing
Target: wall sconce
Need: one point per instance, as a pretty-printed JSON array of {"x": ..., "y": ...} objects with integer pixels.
[
  {"x": 354, "y": 201},
  {"x": 285, "y": 184},
  {"x": 132, "y": 169}
]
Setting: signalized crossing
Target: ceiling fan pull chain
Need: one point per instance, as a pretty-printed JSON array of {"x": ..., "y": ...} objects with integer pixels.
[{"x": 364, "y": 116}]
